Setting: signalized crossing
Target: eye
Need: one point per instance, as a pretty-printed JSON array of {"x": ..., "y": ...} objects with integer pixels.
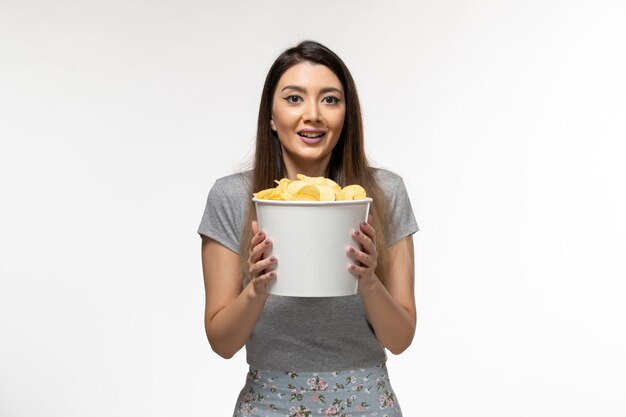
[
  {"x": 292, "y": 99},
  {"x": 331, "y": 100}
]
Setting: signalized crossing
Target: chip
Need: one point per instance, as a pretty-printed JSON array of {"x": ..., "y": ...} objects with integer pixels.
[
  {"x": 338, "y": 194},
  {"x": 332, "y": 184},
  {"x": 326, "y": 193},
  {"x": 307, "y": 188},
  {"x": 295, "y": 186},
  {"x": 276, "y": 194},
  {"x": 311, "y": 180},
  {"x": 306, "y": 192},
  {"x": 263, "y": 194},
  {"x": 353, "y": 192}
]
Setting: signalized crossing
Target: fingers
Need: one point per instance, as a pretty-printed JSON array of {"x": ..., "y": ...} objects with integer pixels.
[
  {"x": 366, "y": 236},
  {"x": 367, "y": 228},
  {"x": 265, "y": 278},
  {"x": 358, "y": 271},
  {"x": 262, "y": 246},
  {"x": 260, "y": 267},
  {"x": 255, "y": 227},
  {"x": 263, "y": 267},
  {"x": 361, "y": 258},
  {"x": 259, "y": 243},
  {"x": 365, "y": 259}
]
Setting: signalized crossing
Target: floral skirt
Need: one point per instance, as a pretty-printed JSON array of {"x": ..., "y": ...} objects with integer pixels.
[{"x": 350, "y": 393}]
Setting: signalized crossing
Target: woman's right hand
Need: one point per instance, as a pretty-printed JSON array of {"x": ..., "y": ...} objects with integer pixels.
[
  {"x": 230, "y": 313},
  {"x": 260, "y": 267}
]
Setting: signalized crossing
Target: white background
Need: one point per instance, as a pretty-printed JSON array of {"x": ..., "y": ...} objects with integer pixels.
[{"x": 505, "y": 118}]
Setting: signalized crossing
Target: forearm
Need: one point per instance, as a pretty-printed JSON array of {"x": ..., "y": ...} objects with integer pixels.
[
  {"x": 230, "y": 328},
  {"x": 393, "y": 324}
]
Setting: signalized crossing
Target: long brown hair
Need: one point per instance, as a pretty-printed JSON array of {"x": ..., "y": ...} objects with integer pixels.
[{"x": 348, "y": 163}]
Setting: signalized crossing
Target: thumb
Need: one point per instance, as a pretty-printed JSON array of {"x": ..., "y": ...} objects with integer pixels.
[{"x": 255, "y": 227}]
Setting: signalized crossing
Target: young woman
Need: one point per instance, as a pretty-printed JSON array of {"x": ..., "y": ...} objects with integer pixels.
[{"x": 310, "y": 356}]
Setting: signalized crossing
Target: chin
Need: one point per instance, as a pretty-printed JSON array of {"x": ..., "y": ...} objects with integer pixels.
[{"x": 317, "y": 157}]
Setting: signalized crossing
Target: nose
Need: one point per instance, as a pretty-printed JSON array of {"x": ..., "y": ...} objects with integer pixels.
[{"x": 312, "y": 112}]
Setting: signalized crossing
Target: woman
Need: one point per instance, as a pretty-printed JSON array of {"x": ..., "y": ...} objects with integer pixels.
[{"x": 310, "y": 356}]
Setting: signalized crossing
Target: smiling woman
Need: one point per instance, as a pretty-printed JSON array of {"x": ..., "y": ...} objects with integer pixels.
[
  {"x": 315, "y": 356},
  {"x": 307, "y": 115}
]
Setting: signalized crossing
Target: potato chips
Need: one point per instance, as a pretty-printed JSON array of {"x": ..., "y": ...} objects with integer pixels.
[{"x": 311, "y": 189}]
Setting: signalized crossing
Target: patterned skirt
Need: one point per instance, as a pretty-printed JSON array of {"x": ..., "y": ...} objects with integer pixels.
[{"x": 351, "y": 393}]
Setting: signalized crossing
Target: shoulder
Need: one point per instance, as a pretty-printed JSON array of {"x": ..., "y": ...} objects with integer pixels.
[
  {"x": 233, "y": 186},
  {"x": 225, "y": 209},
  {"x": 388, "y": 180},
  {"x": 231, "y": 191},
  {"x": 235, "y": 182},
  {"x": 401, "y": 220}
]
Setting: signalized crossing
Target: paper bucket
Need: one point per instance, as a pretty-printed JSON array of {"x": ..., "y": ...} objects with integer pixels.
[{"x": 310, "y": 239}]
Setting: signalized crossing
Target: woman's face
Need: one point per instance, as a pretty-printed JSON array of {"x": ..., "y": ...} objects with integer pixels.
[{"x": 308, "y": 111}]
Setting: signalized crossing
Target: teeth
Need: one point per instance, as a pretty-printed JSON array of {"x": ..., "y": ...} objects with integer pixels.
[{"x": 311, "y": 134}]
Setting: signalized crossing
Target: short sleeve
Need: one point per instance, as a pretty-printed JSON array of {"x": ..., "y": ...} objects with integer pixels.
[
  {"x": 401, "y": 220},
  {"x": 223, "y": 215}
]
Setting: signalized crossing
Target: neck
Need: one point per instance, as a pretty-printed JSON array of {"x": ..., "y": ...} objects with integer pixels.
[{"x": 308, "y": 168}]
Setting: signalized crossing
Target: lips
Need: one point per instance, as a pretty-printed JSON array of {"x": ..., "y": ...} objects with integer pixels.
[{"x": 311, "y": 136}]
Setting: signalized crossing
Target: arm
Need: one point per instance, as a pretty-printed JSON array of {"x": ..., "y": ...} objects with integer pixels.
[
  {"x": 390, "y": 306},
  {"x": 230, "y": 313}
]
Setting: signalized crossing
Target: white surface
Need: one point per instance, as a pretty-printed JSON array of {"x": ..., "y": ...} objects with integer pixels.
[
  {"x": 506, "y": 120},
  {"x": 310, "y": 241}
]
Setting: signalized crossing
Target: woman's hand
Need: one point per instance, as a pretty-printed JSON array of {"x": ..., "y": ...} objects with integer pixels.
[
  {"x": 230, "y": 313},
  {"x": 366, "y": 256},
  {"x": 260, "y": 267}
]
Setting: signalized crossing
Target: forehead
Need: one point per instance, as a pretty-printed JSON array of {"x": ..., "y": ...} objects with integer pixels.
[{"x": 309, "y": 75}]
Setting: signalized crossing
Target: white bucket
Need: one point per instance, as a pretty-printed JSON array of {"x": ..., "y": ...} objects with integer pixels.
[{"x": 310, "y": 239}]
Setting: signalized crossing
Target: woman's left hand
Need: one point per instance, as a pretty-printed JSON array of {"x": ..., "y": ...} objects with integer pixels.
[{"x": 366, "y": 256}]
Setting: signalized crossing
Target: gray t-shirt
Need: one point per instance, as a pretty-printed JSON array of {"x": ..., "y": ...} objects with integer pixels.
[{"x": 306, "y": 333}]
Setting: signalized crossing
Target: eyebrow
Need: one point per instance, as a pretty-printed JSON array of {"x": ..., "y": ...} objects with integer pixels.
[{"x": 303, "y": 90}]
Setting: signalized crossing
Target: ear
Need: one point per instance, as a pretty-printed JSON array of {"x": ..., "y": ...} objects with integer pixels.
[{"x": 273, "y": 125}]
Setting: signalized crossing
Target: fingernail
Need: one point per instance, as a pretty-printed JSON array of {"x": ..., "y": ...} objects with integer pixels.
[
  {"x": 351, "y": 249},
  {"x": 272, "y": 259},
  {"x": 272, "y": 274},
  {"x": 260, "y": 234},
  {"x": 362, "y": 222},
  {"x": 267, "y": 241},
  {"x": 356, "y": 232}
]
